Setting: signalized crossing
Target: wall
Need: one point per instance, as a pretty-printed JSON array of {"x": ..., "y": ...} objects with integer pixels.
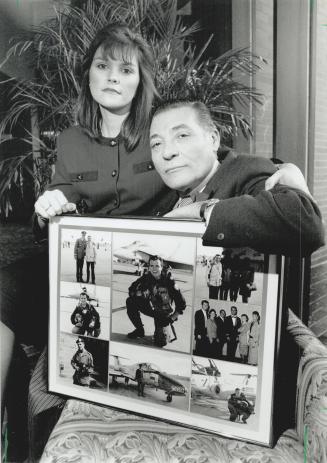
[{"x": 318, "y": 164}]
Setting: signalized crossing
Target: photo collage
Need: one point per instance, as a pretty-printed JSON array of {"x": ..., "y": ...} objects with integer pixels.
[{"x": 161, "y": 319}]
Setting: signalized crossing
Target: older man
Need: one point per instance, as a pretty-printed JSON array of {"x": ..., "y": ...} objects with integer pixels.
[{"x": 229, "y": 195}]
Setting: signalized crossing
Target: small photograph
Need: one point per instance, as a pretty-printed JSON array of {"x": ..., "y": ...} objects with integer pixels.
[
  {"x": 85, "y": 256},
  {"x": 224, "y": 390},
  {"x": 152, "y": 293},
  {"x": 83, "y": 361},
  {"x": 85, "y": 310},
  {"x": 150, "y": 375},
  {"x": 227, "y": 331},
  {"x": 234, "y": 275},
  {"x": 85, "y": 295}
]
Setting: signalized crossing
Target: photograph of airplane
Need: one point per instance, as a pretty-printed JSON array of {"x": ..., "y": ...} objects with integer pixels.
[
  {"x": 127, "y": 250},
  {"x": 213, "y": 382},
  {"x": 165, "y": 384},
  {"x": 176, "y": 252}
]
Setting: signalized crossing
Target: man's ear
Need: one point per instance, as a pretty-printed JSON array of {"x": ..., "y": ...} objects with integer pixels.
[{"x": 215, "y": 139}]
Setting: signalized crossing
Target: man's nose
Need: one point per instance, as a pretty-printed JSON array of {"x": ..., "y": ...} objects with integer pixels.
[{"x": 170, "y": 151}]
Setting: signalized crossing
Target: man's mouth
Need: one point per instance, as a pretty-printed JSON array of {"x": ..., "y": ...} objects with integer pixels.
[{"x": 171, "y": 170}]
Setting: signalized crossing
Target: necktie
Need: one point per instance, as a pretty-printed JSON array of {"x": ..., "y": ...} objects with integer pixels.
[{"x": 184, "y": 201}]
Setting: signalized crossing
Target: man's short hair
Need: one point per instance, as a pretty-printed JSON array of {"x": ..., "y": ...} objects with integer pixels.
[
  {"x": 80, "y": 340},
  {"x": 233, "y": 307},
  {"x": 202, "y": 111},
  {"x": 203, "y": 301},
  {"x": 155, "y": 257},
  {"x": 83, "y": 232}
]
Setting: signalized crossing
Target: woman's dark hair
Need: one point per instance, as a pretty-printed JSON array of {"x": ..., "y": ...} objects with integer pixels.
[
  {"x": 244, "y": 315},
  {"x": 212, "y": 310},
  {"x": 257, "y": 314},
  {"x": 119, "y": 42}
]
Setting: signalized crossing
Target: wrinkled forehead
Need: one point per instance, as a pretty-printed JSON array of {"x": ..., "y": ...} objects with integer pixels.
[
  {"x": 173, "y": 118},
  {"x": 125, "y": 52}
]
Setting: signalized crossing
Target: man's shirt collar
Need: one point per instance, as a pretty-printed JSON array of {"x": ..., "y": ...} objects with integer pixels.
[{"x": 198, "y": 194}]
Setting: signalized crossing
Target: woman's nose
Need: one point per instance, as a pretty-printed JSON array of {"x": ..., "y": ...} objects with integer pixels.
[{"x": 112, "y": 76}]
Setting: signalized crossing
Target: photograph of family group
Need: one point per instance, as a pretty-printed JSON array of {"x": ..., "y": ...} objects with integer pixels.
[{"x": 229, "y": 297}]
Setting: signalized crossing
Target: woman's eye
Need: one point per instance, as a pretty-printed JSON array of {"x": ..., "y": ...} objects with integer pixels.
[
  {"x": 101, "y": 66},
  {"x": 126, "y": 71}
]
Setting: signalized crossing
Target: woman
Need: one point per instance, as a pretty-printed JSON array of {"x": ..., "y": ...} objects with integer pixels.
[
  {"x": 211, "y": 327},
  {"x": 243, "y": 338},
  {"x": 254, "y": 338},
  {"x": 97, "y": 159},
  {"x": 103, "y": 165}
]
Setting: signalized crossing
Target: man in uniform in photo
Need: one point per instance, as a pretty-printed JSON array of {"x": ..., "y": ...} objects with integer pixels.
[
  {"x": 82, "y": 362},
  {"x": 239, "y": 407},
  {"x": 141, "y": 293},
  {"x": 232, "y": 324},
  {"x": 86, "y": 318},
  {"x": 200, "y": 330},
  {"x": 79, "y": 255},
  {"x": 139, "y": 376}
]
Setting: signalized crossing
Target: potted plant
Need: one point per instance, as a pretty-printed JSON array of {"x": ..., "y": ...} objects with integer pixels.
[{"x": 55, "y": 51}]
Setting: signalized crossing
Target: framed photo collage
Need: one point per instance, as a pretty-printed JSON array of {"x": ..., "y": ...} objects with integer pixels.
[{"x": 145, "y": 318}]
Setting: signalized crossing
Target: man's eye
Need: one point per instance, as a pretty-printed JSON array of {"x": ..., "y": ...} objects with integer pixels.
[
  {"x": 183, "y": 135},
  {"x": 155, "y": 145}
]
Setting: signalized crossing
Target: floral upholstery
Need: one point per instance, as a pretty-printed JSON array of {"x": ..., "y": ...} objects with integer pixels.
[{"x": 88, "y": 433}]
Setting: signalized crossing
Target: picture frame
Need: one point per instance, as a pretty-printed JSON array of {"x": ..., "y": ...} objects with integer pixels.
[{"x": 134, "y": 331}]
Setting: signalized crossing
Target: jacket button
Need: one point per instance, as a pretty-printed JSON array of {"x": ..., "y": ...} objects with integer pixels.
[
  {"x": 79, "y": 177},
  {"x": 115, "y": 202},
  {"x": 113, "y": 143},
  {"x": 150, "y": 166},
  {"x": 114, "y": 173},
  {"x": 220, "y": 236}
]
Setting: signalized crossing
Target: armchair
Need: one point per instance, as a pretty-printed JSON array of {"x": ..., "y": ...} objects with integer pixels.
[{"x": 91, "y": 433}]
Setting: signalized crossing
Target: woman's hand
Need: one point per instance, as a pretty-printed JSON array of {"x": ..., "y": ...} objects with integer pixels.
[
  {"x": 288, "y": 174},
  {"x": 53, "y": 203}
]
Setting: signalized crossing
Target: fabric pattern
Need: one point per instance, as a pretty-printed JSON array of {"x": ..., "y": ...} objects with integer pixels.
[{"x": 90, "y": 433}]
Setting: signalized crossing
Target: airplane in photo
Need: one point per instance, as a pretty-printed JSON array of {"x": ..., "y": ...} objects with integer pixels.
[
  {"x": 209, "y": 381},
  {"x": 138, "y": 251},
  {"x": 152, "y": 377},
  {"x": 205, "y": 379}
]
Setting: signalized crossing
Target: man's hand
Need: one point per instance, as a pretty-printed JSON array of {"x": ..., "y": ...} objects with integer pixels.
[
  {"x": 192, "y": 211},
  {"x": 53, "y": 203},
  {"x": 290, "y": 175}
]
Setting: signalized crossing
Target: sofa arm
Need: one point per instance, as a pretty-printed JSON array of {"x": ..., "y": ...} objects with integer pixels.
[{"x": 311, "y": 408}]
